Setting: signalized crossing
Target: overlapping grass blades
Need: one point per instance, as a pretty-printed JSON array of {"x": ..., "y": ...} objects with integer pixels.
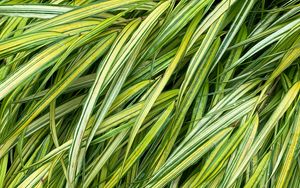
[{"x": 149, "y": 93}]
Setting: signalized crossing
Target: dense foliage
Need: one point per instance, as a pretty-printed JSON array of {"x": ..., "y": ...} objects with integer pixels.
[{"x": 148, "y": 93}]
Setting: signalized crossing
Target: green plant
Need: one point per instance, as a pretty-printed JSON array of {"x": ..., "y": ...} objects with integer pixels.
[{"x": 146, "y": 93}]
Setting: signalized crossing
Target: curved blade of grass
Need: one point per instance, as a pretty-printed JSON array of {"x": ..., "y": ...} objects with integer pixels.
[
  {"x": 28, "y": 41},
  {"x": 84, "y": 12},
  {"x": 199, "y": 56},
  {"x": 235, "y": 27},
  {"x": 291, "y": 150},
  {"x": 225, "y": 151},
  {"x": 38, "y": 63},
  {"x": 94, "y": 91},
  {"x": 214, "y": 15},
  {"x": 104, "y": 157},
  {"x": 90, "y": 57},
  {"x": 161, "y": 180},
  {"x": 82, "y": 40},
  {"x": 179, "y": 19},
  {"x": 35, "y": 177},
  {"x": 132, "y": 45},
  {"x": 257, "y": 175},
  {"x": 162, "y": 82},
  {"x": 242, "y": 150},
  {"x": 140, "y": 148},
  {"x": 276, "y": 115},
  {"x": 34, "y": 11},
  {"x": 265, "y": 42}
]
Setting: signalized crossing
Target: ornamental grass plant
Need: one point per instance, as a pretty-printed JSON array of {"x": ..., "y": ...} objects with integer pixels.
[{"x": 150, "y": 93}]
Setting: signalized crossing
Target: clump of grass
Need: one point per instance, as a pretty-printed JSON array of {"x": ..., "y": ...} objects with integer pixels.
[{"x": 144, "y": 93}]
